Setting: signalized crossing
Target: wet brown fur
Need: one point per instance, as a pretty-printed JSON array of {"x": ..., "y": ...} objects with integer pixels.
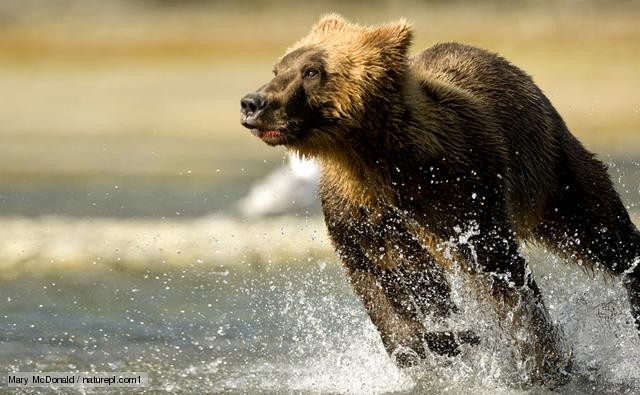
[{"x": 417, "y": 151}]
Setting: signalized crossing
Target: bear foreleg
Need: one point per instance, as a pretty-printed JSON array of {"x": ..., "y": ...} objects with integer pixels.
[
  {"x": 400, "y": 292},
  {"x": 393, "y": 310}
]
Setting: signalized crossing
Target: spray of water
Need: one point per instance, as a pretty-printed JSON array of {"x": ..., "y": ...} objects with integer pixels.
[{"x": 331, "y": 346}]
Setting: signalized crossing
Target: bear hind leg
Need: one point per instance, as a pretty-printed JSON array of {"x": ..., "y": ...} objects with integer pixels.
[
  {"x": 594, "y": 227},
  {"x": 518, "y": 304},
  {"x": 632, "y": 284}
]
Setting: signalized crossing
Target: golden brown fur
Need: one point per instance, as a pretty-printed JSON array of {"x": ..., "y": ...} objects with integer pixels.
[{"x": 417, "y": 152}]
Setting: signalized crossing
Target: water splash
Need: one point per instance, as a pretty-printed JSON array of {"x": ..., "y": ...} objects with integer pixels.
[
  {"x": 293, "y": 327},
  {"x": 322, "y": 340}
]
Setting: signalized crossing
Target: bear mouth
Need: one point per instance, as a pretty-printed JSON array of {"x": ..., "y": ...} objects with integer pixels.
[
  {"x": 279, "y": 134},
  {"x": 272, "y": 136},
  {"x": 284, "y": 133}
]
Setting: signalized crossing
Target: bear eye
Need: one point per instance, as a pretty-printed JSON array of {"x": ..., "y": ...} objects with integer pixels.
[{"x": 310, "y": 74}]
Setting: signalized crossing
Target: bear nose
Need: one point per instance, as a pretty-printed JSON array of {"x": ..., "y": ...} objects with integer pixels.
[{"x": 252, "y": 103}]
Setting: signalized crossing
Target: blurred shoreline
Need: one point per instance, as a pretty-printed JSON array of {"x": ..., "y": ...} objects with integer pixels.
[{"x": 53, "y": 245}]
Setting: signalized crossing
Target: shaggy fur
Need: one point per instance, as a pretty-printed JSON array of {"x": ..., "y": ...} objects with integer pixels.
[{"x": 419, "y": 151}]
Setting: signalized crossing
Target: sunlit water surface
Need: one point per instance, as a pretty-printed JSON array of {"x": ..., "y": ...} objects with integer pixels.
[{"x": 272, "y": 329}]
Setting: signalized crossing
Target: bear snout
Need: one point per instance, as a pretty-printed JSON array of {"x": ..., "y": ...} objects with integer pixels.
[{"x": 250, "y": 108}]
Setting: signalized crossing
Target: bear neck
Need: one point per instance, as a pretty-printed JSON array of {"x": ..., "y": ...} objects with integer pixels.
[{"x": 390, "y": 139}]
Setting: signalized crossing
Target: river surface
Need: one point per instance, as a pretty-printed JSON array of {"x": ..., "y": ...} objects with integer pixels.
[
  {"x": 236, "y": 321},
  {"x": 290, "y": 329}
]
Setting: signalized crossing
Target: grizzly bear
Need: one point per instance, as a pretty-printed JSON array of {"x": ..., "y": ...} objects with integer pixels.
[{"x": 442, "y": 161}]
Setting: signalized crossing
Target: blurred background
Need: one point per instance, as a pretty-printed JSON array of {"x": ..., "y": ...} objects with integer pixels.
[
  {"x": 131, "y": 108},
  {"x": 121, "y": 149}
]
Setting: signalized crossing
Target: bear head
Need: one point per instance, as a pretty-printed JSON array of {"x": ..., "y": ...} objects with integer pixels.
[{"x": 329, "y": 84}]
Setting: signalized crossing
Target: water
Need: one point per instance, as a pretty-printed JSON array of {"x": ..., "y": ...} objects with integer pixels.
[
  {"x": 273, "y": 328},
  {"x": 222, "y": 305}
]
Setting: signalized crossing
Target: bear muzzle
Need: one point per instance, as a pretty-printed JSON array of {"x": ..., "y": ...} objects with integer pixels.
[{"x": 253, "y": 116}]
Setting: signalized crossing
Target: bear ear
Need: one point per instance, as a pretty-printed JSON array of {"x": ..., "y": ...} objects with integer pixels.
[
  {"x": 392, "y": 38},
  {"x": 330, "y": 22}
]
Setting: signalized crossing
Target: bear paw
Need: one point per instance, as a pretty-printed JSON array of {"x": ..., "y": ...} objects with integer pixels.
[{"x": 448, "y": 343}]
